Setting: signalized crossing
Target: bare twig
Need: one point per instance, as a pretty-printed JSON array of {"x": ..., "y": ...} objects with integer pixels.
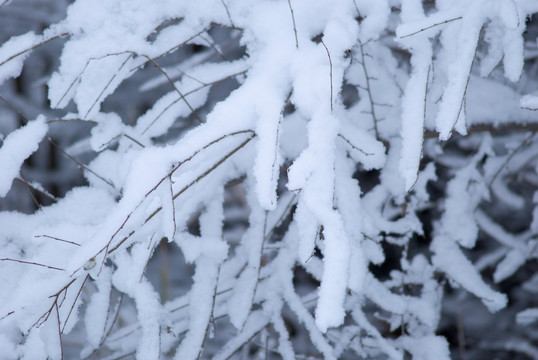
[
  {"x": 81, "y": 165},
  {"x": 464, "y": 97},
  {"x": 330, "y": 71},
  {"x": 53, "y": 143},
  {"x": 181, "y": 96},
  {"x": 134, "y": 140},
  {"x": 173, "y": 205},
  {"x": 431, "y": 26},
  {"x": 170, "y": 50},
  {"x": 294, "y": 26},
  {"x": 32, "y": 263},
  {"x": 187, "y": 94},
  {"x": 212, "y": 46},
  {"x": 108, "y": 84},
  {"x": 111, "y": 326},
  {"x": 524, "y": 143},
  {"x": 83, "y": 71},
  {"x": 211, "y": 321},
  {"x": 353, "y": 146},
  {"x": 59, "y": 329},
  {"x": 201, "y": 176},
  {"x": 30, "y": 188},
  {"x": 69, "y": 120},
  {"x": 228, "y": 13},
  {"x": 33, "y": 47},
  {"x": 74, "y": 302},
  {"x": 57, "y": 239},
  {"x": 368, "y": 89}
]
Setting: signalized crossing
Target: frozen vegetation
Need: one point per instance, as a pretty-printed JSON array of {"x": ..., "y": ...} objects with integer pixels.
[{"x": 268, "y": 179}]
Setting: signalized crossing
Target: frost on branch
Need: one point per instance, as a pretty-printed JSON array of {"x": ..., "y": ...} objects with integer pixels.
[{"x": 245, "y": 179}]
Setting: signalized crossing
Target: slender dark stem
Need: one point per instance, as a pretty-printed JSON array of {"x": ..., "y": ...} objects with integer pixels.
[
  {"x": 170, "y": 50},
  {"x": 134, "y": 140},
  {"x": 81, "y": 165},
  {"x": 431, "y": 26},
  {"x": 108, "y": 85},
  {"x": 32, "y": 263},
  {"x": 181, "y": 96},
  {"x": 330, "y": 71},
  {"x": 33, "y": 47},
  {"x": 368, "y": 90},
  {"x": 228, "y": 13},
  {"x": 74, "y": 302},
  {"x": 186, "y": 187},
  {"x": 353, "y": 146},
  {"x": 294, "y": 26},
  {"x": 524, "y": 143},
  {"x": 30, "y": 188},
  {"x": 187, "y": 94},
  {"x": 57, "y": 239}
]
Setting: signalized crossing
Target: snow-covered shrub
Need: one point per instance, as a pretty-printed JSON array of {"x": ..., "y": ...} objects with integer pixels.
[{"x": 268, "y": 178}]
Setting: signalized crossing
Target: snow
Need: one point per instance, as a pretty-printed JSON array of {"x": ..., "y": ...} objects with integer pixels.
[
  {"x": 451, "y": 114},
  {"x": 414, "y": 98},
  {"x": 16, "y": 148},
  {"x": 97, "y": 309},
  {"x": 427, "y": 347},
  {"x": 108, "y": 129},
  {"x": 332, "y": 291},
  {"x": 194, "y": 125},
  {"x": 244, "y": 290},
  {"x": 11, "y": 63},
  {"x": 527, "y": 316},
  {"x": 451, "y": 260},
  {"x": 529, "y": 102}
]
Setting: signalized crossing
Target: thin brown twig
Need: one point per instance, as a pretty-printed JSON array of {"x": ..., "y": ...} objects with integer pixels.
[
  {"x": 187, "y": 94},
  {"x": 83, "y": 71},
  {"x": 53, "y": 143},
  {"x": 108, "y": 84},
  {"x": 69, "y": 120},
  {"x": 294, "y": 26},
  {"x": 109, "y": 331},
  {"x": 59, "y": 330},
  {"x": 212, "y": 46},
  {"x": 29, "y": 187},
  {"x": 464, "y": 97},
  {"x": 74, "y": 302},
  {"x": 330, "y": 71},
  {"x": 81, "y": 165},
  {"x": 211, "y": 321},
  {"x": 173, "y": 206},
  {"x": 23, "y": 117},
  {"x": 368, "y": 89},
  {"x": 431, "y": 26},
  {"x": 524, "y": 143},
  {"x": 161, "y": 70},
  {"x": 204, "y": 174},
  {"x": 33, "y": 47},
  {"x": 228, "y": 13},
  {"x": 57, "y": 239},
  {"x": 134, "y": 140},
  {"x": 32, "y": 263},
  {"x": 353, "y": 146},
  {"x": 170, "y": 50}
]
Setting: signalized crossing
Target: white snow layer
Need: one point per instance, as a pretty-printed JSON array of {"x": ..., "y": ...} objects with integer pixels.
[{"x": 16, "y": 148}]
